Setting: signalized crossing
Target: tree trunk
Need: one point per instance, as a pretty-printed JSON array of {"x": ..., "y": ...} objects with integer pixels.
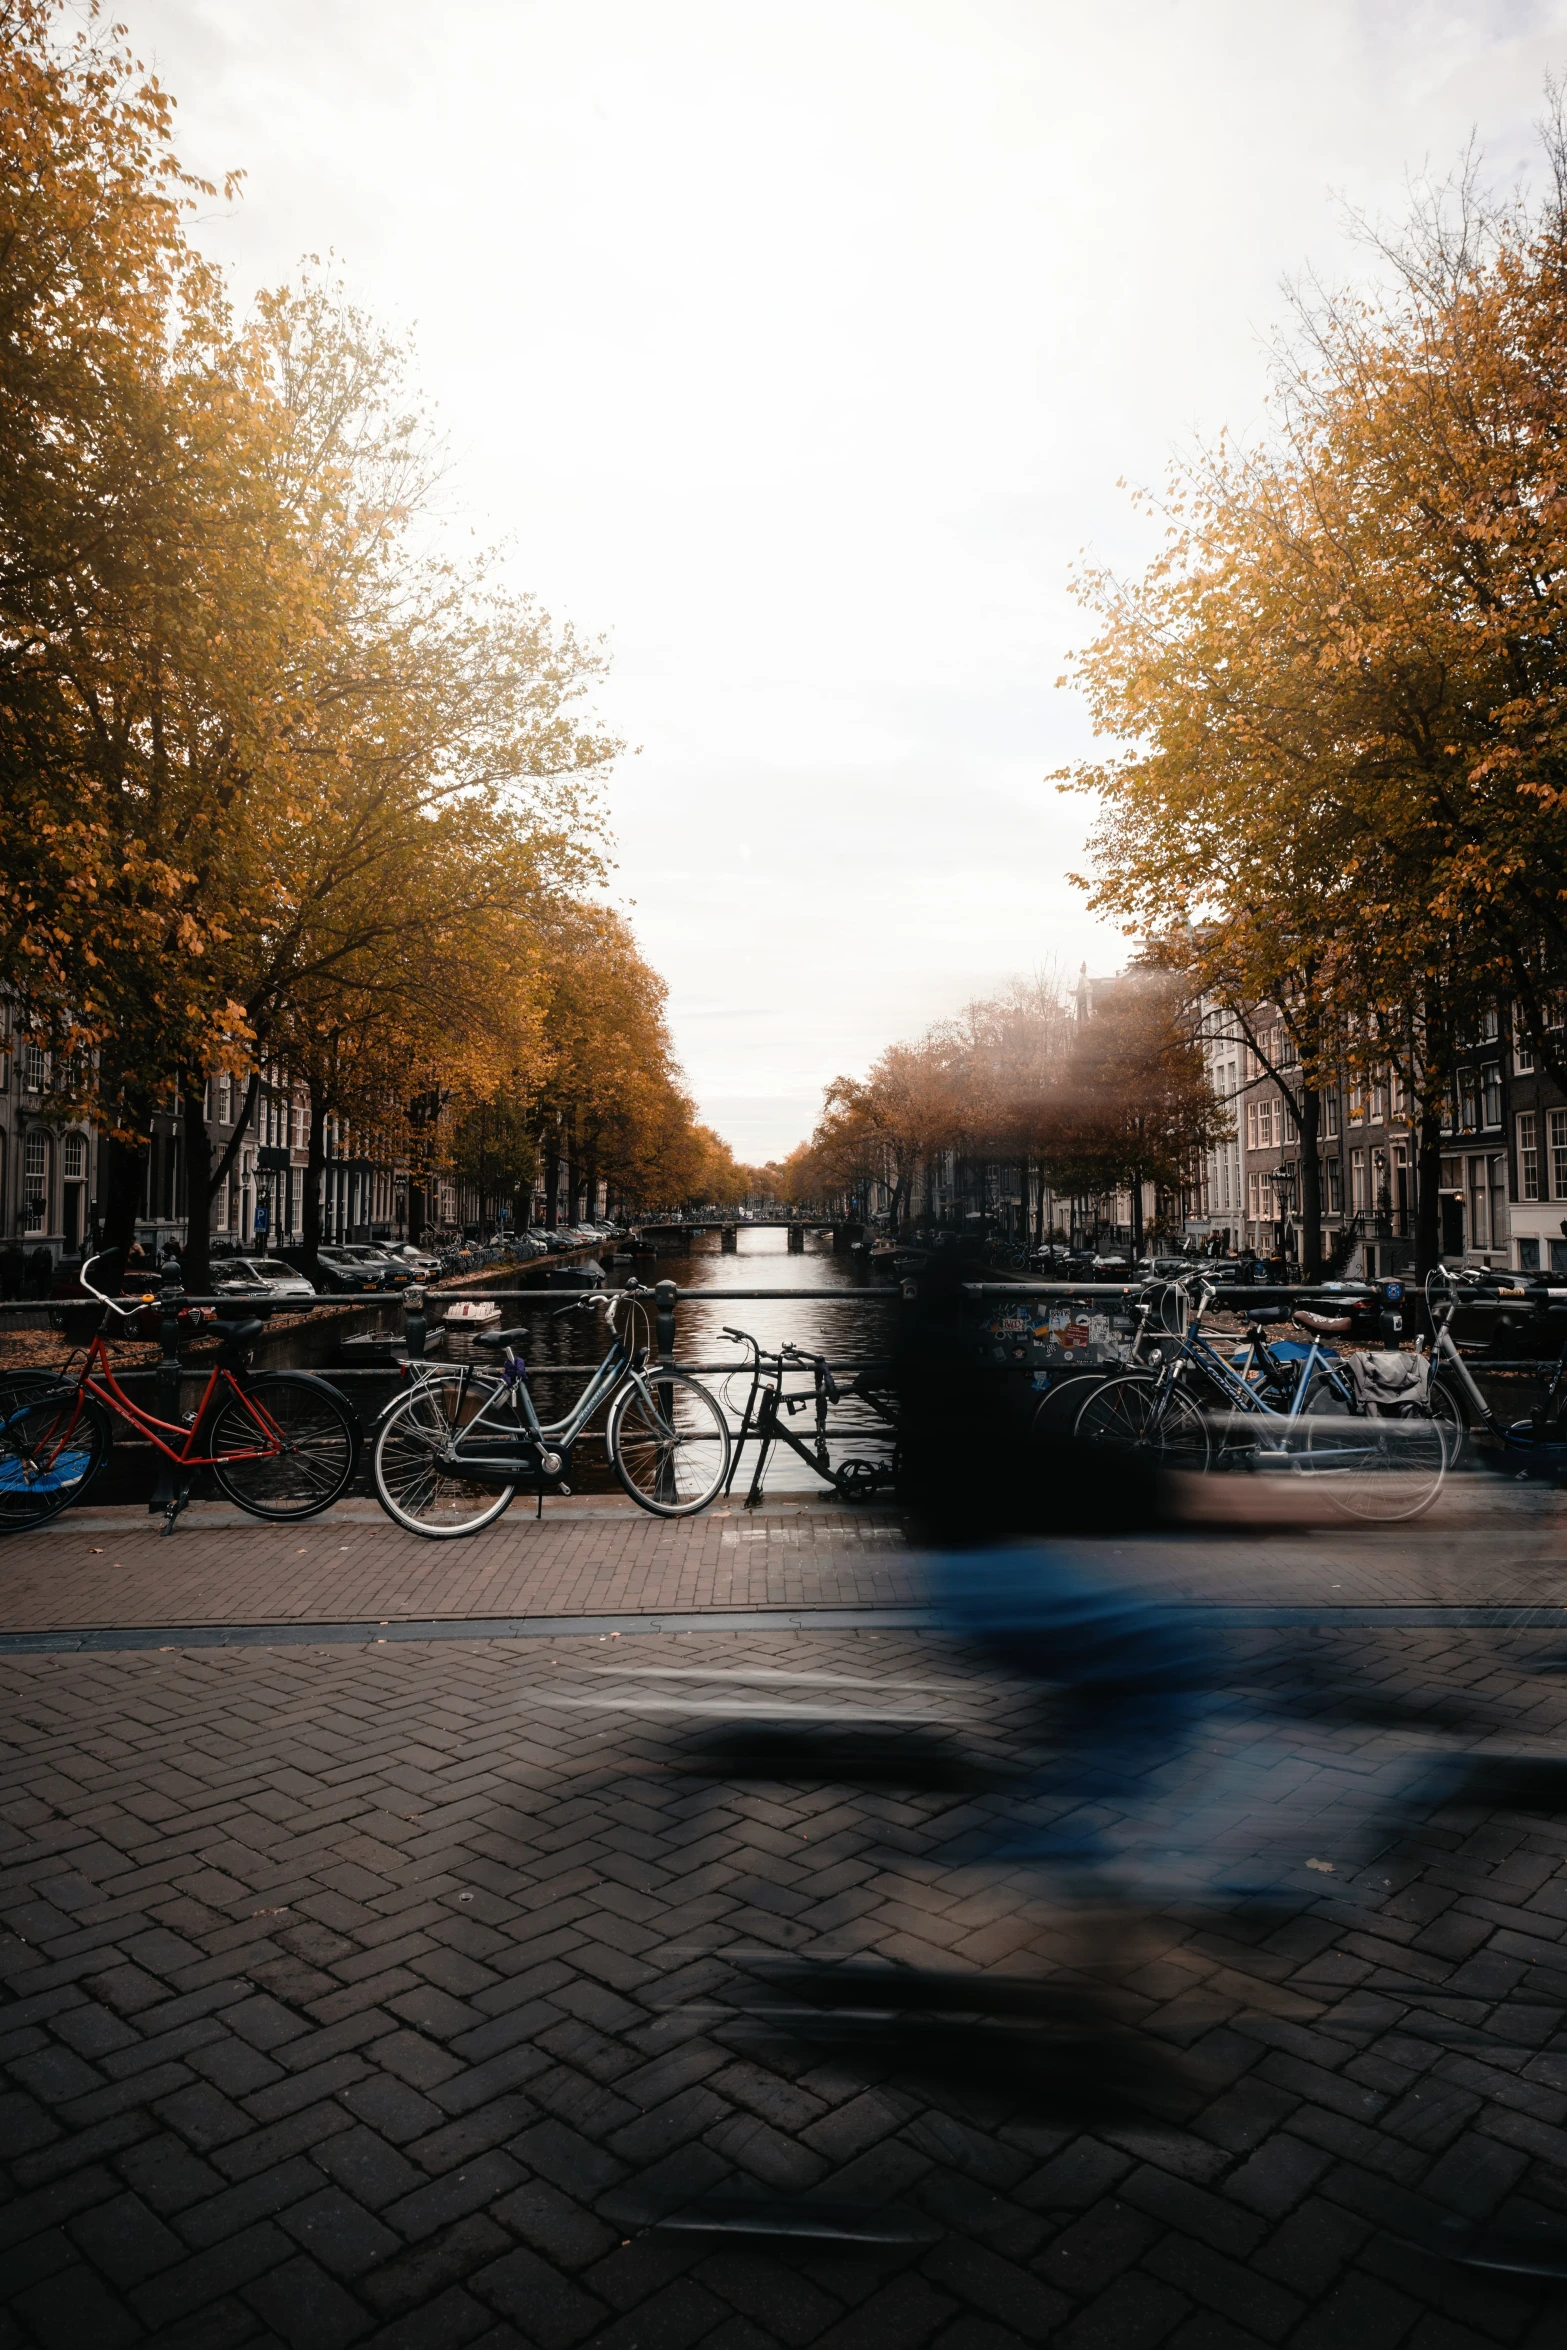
[
  {"x": 1137, "y": 1216},
  {"x": 1308, "y": 1123},
  {"x": 125, "y": 1171},
  {"x": 1428, "y": 1194},
  {"x": 315, "y": 1168},
  {"x": 196, "y": 1256},
  {"x": 552, "y": 1178}
]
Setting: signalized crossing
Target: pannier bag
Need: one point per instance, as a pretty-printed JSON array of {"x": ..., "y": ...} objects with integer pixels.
[{"x": 1390, "y": 1386}]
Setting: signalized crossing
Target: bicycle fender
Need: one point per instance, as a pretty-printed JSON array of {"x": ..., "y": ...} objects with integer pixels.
[{"x": 310, "y": 1379}]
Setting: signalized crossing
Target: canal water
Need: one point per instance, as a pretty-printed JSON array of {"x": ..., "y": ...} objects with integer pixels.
[{"x": 857, "y": 1331}]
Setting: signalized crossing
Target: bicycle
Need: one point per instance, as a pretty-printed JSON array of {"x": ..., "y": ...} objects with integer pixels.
[
  {"x": 1461, "y": 1403},
  {"x": 1275, "y": 1414},
  {"x": 855, "y": 1479},
  {"x": 282, "y": 1446},
  {"x": 448, "y": 1456}
]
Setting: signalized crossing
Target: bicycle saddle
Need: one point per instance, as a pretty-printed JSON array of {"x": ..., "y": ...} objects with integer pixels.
[
  {"x": 1259, "y": 1317},
  {"x": 497, "y": 1337},
  {"x": 1325, "y": 1325},
  {"x": 240, "y": 1334}
]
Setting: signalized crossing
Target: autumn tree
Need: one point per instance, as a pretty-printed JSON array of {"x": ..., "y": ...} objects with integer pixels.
[{"x": 1339, "y": 689}]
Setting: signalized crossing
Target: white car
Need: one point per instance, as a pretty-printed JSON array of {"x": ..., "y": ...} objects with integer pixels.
[{"x": 258, "y": 1277}]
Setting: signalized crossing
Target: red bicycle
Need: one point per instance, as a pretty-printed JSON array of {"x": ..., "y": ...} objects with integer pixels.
[{"x": 283, "y": 1446}]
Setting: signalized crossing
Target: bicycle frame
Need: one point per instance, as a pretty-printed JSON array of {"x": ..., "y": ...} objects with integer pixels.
[
  {"x": 508, "y": 1408},
  {"x": 1195, "y": 1349},
  {"x": 767, "y": 1399},
  {"x": 104, "y": 1388},
  {"x": 1444, "y": 1350}
]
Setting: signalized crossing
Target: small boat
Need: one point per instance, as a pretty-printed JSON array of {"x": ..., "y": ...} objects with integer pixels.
[{"x": 471, "y": 1313}]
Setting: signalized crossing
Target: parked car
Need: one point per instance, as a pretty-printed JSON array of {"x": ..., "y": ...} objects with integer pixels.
[
  {"x": 347, "y": 1270},
  {"x": 259, "y": 1277},
  {"x": 395, "y": 1271},
  {"x": 425, "y": 1266}
]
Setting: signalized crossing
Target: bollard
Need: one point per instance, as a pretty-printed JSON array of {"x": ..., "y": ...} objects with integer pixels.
[
  {"x": 416, "y": 1329},
  {"x": 171, "y": 1298},
  {"x": 797, "y": 1240},
  {"x": 730, "y": 1240}
]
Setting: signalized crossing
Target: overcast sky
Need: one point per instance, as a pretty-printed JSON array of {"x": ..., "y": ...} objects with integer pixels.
[{"x": 797, "y": 346}]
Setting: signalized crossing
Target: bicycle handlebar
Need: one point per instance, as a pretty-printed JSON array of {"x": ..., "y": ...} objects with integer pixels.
[{"x": 125, "y": 1312}]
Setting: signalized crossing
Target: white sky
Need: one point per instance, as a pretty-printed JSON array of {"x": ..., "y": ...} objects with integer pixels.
[{"x": 797, "y": 346}]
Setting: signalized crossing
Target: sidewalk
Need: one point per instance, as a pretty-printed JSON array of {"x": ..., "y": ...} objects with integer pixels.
[{"x": 1497, "y": 1545}]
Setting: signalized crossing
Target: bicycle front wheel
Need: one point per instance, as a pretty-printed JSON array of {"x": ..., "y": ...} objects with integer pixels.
[
  {"x": 1380, "y": 1470},
  {"x": 418, "y": 1436},
  {"x": 669, "y": 1442},
  {"x": 52, "y": 1445},
  {"x": 1142, "y": 1412},
  {"x": 284, "y": 1446}
]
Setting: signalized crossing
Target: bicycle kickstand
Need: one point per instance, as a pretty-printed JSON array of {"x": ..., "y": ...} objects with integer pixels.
[{"x": 177, "y": 1500}]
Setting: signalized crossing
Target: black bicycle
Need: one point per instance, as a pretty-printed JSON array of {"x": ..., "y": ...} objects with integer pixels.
[{"x": 771, "y": 1405}]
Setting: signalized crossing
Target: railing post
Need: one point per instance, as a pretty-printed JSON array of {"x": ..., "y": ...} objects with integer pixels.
[
  {"x": 171, "y": 1298},
  {"x": 664, "y": 1319},
  {"x": 416, "y": 1329}
]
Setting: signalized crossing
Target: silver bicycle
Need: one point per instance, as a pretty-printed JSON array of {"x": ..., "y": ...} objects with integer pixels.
[{"x": 449, "y": 1456}]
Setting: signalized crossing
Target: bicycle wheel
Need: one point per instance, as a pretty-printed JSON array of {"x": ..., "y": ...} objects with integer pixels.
[
  {"x": 416, "y": 1436},
  {"x": 669, "y": 1442},
  {"x": 1448, "y": 1411},
  {"x": 1144, "y": 1412},
  {"x": 52, "y": 1445},
  {"x": 304, "y": 1466},
  {"x": 1383, "y": 1471}
]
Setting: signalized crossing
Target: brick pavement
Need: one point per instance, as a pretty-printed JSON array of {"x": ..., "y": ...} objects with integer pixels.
[
  {"x": 118, "y": 1569},
  {"x": 376, "y": 1996},
  {"x": 1499, "y": 1544}
]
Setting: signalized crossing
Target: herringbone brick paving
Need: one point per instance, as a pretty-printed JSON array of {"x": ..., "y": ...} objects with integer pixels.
[{"x": 367, "y": 1996}]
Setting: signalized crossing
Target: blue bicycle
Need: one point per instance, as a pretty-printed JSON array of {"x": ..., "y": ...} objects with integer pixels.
[{"x": 1203, "y": 1405}]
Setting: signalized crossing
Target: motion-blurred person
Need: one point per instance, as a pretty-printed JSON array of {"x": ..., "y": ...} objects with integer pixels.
[{"x": 1016, "y": 1540}]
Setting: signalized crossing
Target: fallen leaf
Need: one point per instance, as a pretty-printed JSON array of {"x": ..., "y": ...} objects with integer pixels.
[{"x": 1326, "y": 1866}]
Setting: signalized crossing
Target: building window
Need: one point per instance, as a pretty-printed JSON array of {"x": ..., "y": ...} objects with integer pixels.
[
  {"x": 1558, "y": 1154},
  {"x": 1485, "y": 1203},
  {"x": 1330, "y": 1116},
  {"x": 1357, "y": 1181},
  {"x": 75, "y": 1157},
  {"x": 1333, "y": 1187},
  {"x": 1468, "y": 1102},
  {"x": 1251, "y": 1126},
  {"x": 34, "y": 1067},
  {"x": 1357, "y": 1103},
  {"x": 1491, "y": 1087},
  {"x": 1381, "y": 1195},
  {"x": 1528, "y": 1155},
  {"x": 1528, "y": 1256},
  {"x": 35, "y": 1181},
  {"x": 1523, "y": 1050},
  {"x": 1491, "y": 1026},
  {"x": 1379, "y": 1101}
]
